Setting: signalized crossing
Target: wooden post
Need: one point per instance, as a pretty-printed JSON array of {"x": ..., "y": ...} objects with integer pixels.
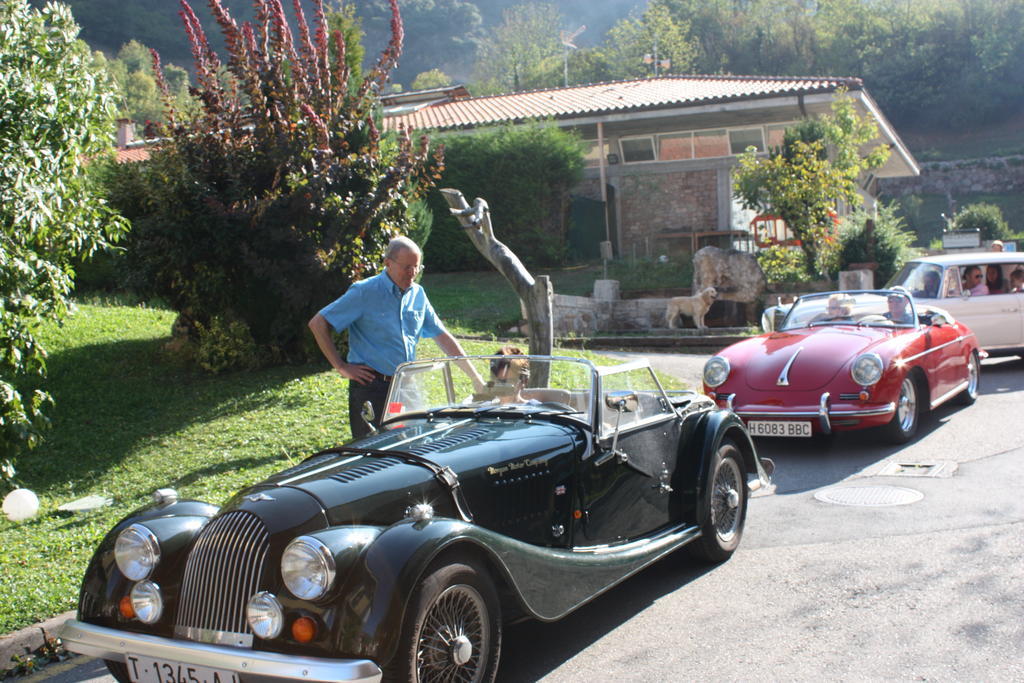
[{"x": 535, "y": 294}]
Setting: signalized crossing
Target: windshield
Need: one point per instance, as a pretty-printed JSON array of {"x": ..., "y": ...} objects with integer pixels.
[
  {"x": 885, "y": 308},
  {"x": 920, "y": 279},
  {"x": 493, "y": 384}
]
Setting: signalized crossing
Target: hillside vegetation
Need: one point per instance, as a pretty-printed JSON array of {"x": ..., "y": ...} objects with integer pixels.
[{"x": 923, "y": 60}]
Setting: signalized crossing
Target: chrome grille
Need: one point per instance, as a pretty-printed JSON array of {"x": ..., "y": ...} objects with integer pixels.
[{"x": 223, "y": 571}]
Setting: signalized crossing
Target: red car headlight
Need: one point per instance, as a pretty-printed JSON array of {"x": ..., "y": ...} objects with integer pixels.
[{"x": 867, "y": 369}]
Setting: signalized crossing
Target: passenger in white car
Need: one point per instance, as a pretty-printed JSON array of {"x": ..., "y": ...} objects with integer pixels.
[
  {"x": 974, "y": 281},
  {"x": 1017, "y": 280}
]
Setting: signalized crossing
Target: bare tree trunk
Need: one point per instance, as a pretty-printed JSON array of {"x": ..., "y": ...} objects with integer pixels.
[{"x": 536, "y": 294}]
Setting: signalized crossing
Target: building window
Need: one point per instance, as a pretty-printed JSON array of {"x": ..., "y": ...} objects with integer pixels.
[
  {"x": 710, "y": 143},
  {"x": 741, "y": 138},
  {"x": 637, "y": 149},
  {"x": 675, "y": 146}
]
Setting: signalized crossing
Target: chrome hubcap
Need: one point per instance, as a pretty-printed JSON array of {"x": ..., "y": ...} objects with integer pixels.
[
  {"x": 462, "y": 650},
  {"x": 907, "y": 406},
  {"x": 454, "y": 638}
]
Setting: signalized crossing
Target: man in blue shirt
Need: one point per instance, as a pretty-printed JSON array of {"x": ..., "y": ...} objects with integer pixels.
[{"x": 386, "y": 315}]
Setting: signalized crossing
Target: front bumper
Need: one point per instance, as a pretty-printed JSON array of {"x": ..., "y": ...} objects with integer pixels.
[
  {"x": 108, "y": 643},
  {"x": 826, "y": 414}
]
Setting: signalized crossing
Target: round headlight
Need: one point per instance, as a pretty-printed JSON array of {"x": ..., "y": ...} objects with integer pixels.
[
  {"x": 136, "y": 552},
  {"x": 716, "y": 371},
  {"x": 307, "y": 568},
  {"x": 867, "y": 369},
  {"x": 265, "y": 615},
  {"x": 147, "y": 601}
]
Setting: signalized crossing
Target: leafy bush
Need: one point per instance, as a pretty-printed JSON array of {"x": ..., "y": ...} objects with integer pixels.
[
  {"x": 226, "y": 345},
  {"x": 986, "y": 218},
  {"x": 818, "y": 164},
  {"x": 888, "y": 244},
  {"x": 54, "y": 114},
  {"x": 280, "y": 192},
  {"x": 784, "y": 264},
  {"x": 525, "y": 173}
]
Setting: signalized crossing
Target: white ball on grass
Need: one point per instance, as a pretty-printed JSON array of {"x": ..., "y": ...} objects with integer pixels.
[{"x": 21, "y": 504}]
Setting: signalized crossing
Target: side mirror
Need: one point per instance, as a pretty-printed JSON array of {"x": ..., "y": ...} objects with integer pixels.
[
  {"x": 367, "y": 413},
  {"x": 622, "y": 401}
]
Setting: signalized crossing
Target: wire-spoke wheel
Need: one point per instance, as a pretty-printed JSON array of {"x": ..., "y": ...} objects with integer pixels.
[
  {"x": 904, "y": 421},
  {"x": 452, "y": 632},
  {"x": 725, "y": 507},
  {"x": 453, "y": 642},
  {"x": 970, "y": 394}
]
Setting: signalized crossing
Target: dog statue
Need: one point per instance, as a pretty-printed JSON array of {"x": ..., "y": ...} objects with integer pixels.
[{"x": 695, "y": 306}]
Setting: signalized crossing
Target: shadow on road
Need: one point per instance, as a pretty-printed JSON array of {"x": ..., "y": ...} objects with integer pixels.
[
  {"x": 806, "y": 464},
  {"x": 532, "y": 649}
]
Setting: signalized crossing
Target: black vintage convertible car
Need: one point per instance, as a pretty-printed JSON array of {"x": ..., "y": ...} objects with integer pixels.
[{"x": 401, "y": 554}]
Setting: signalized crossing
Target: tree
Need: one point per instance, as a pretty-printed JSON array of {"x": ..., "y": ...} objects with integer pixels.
[
  {"x": 342, "y": 17},
  {"x": 527, "y": 36},
  {"x": 536, "y": 294},
  {"x": 279, "y": 193},
  {"x": 816, "y": 167},
  {"x": 435, "y": 78},
  {"x": 54, "y": 115},
  {"x": 138, "y": 96},
  {"x": 447, "y": 35},
  {"x": 652, "y": 31},
  {"x": 986, "y": 218}
]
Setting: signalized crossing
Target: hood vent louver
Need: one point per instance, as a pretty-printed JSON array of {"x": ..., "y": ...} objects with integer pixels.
[
  {"x": 364, "y": 469},
  {"x": 369, "y": 466},
  {"x": 449, "y": 442}
]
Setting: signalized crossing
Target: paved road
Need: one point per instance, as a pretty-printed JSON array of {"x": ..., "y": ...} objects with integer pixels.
[{"x": 932, "y": 590}]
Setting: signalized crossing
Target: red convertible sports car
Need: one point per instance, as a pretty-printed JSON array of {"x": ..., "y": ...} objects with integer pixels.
[{"x": 847, "y": 360}]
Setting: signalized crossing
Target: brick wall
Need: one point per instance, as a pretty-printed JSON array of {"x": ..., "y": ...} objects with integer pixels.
[{"x": 667, "y": 202}]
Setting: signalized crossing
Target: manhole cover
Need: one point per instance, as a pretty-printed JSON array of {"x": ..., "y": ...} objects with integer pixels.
[{"x": 869, "y": 496}]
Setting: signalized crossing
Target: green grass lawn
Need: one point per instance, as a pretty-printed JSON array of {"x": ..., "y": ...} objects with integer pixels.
[{"x": 129, "y": 420}]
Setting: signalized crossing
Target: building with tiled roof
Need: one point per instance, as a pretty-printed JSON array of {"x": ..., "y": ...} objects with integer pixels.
[{"x": 661, "y": 150}]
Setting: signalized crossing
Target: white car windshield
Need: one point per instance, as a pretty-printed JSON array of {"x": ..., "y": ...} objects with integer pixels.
[
  {"x": 889, "y": 309},
  {"x": 922, "y": 280},
  {"x": 501, "y": 384}
]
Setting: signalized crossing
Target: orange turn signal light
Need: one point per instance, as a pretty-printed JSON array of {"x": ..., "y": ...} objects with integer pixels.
[
  {"x": 125, "y": 607},
  {"x": 304, "y": 629},
  {"x": 864, "y": 396}
]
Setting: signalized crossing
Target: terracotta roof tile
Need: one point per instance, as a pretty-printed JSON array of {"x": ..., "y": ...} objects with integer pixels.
[
  {"x": 605, "y": 98},
  {"x": 126, "y": 155}
]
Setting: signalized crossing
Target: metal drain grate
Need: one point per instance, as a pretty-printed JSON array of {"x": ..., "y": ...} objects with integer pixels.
[
  {"x": 869, "y": 496},
  {"x": 941, "y": 469}
]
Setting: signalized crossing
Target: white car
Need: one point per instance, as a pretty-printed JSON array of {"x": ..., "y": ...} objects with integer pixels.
[{"x": 995, "y": 311}]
